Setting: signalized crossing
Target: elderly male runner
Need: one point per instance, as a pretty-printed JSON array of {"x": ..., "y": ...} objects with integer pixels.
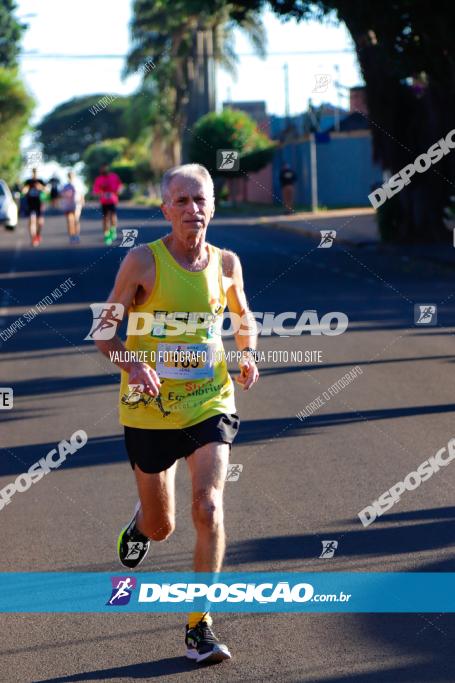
[{"x": 183, "y": 409}]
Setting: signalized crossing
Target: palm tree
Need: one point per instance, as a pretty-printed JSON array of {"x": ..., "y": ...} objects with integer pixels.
[{"x": 185, "y": 40}]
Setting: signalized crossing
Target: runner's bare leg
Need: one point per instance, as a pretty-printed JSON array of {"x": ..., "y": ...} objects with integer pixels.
[
  {"x": 208, "y": 468},
  {"x": 32, "y": 225},
  {"x": 156, "y": 518}
]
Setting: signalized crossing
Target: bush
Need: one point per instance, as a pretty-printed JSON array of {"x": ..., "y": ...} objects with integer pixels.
[
  {"x": 100, "y": 153},
  {"x": 233, "y": 130}
]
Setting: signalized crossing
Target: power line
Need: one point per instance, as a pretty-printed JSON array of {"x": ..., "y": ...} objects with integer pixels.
[{"x": 43, "y": 55}]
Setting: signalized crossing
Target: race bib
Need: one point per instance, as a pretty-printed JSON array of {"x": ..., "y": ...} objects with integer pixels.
[{"x": 185, "y": 361}]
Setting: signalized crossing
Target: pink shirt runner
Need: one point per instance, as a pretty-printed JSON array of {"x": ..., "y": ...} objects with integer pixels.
[{"x": 107, "y": 186}]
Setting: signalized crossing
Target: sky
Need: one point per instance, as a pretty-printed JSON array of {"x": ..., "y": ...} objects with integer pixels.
[
  {"x": 97, "y": 27},
  {"x": 93, "y": 28}
]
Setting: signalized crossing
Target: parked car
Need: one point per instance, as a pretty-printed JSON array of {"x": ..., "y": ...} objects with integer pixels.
[{"x": 8, "y": 207}]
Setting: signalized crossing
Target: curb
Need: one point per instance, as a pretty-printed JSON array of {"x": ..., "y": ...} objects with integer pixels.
[
  {"x": 368, "y": 243},
  {"x": 311, "y": 233}
]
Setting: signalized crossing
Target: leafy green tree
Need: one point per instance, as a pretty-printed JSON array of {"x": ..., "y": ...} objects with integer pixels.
[
  {"x": 69, "y": 129},
  {"x": 126, "y": 170},
  {"x": 10, "y": 34},
  {"x": 406, "y": 54},
  {"x": 173, "y": 39},
  {"x": 16, "y": 106},
  {"x": 130, "y": 161},
  {"x": 230, "y": 130},
  {"x": 100, "y": 153}
]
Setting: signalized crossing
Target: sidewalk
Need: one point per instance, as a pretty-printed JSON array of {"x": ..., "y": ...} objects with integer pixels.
[
  {"x": 358, "y": 227},
  {"x": 353, "y": 226}
]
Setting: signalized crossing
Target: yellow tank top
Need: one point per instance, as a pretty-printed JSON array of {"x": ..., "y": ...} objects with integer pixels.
[{"x": 195, "y": 383}]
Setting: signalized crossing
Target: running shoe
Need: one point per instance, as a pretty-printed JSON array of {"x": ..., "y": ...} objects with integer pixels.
[
  {"x": 132, "y": 546},
  {"x": 35, "y": 241},
  {"x": 203, "y": 646},
  {"x": 107, "y": 239},
  {"x": 113, "y": 232}
]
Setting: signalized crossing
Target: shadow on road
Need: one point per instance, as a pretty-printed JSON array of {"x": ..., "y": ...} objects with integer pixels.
[
  {"x": 285, "y": 369},
  {"x": 53, "y": 385},
  {"x": 377, "y": 539},
  {"x": 427, "y": 639},
  {"x": 103, "y": 450},
  {"x": 144, "y": 670}
]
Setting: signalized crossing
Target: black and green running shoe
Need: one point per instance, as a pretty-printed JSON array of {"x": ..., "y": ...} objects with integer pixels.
[
  {"x": 203, "y": 646},
  {"x": 132, "y": 546}
]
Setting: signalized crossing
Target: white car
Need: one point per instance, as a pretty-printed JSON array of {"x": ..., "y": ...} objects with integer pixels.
[{"x": 8, "y": 207}]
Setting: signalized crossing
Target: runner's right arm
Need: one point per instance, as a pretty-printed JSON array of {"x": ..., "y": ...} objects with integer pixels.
[{"x": 128, "y": 283}]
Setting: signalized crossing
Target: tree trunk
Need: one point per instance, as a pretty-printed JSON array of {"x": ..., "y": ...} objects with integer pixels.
[{"x": 404, "y": 123}]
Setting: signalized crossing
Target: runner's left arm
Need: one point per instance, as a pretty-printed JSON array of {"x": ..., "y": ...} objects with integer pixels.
[{"x": 246, "y": 335}]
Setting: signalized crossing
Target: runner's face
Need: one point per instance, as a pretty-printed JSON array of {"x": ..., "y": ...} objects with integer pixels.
[{"x": 189, "y": 207}]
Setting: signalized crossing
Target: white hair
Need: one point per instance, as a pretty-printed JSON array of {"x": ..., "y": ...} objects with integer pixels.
[{"x": 186, "y": 171}]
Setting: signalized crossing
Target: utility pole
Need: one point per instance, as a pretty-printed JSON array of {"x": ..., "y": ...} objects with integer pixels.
[
  {"x": 337, "y": 110},
  {"x": 314, "y": 172},
  {"x": 286, "y": 92},
  {"x": 202, "y": 93}
]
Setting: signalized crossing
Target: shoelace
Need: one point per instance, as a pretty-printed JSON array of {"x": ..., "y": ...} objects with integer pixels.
[{"x": 205, "y": 631}]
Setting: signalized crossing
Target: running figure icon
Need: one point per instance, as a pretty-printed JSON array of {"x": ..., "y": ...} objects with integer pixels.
[
  {"x": 122, "y": 591},
  {"x": 107, "y": 320}
]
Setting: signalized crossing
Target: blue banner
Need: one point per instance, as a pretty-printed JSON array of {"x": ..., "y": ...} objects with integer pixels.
[{"x": 227, "y": 592}]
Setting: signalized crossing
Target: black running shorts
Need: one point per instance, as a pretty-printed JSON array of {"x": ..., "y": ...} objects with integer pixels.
[
  {"x": 108, "y": 208},
  {"x": 155, "y": 450},
  {"x": 33, "y": 206}
]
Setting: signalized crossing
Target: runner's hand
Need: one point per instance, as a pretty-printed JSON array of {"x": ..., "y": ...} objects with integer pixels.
[
  {"x": 249, "y": 374},
  {"x": 143, "y": 374}
]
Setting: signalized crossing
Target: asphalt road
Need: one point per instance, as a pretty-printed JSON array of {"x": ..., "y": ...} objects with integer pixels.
[{"x": 302, "y": 481}]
